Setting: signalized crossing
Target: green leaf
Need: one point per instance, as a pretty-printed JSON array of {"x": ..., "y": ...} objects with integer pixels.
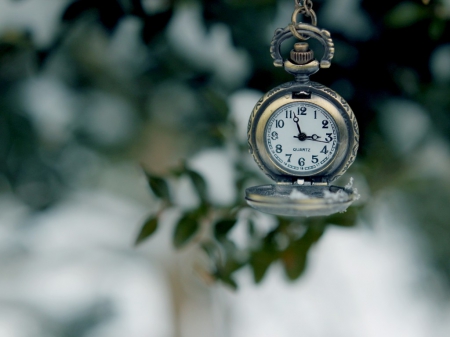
[
  {"x": 294, "y": 259},
  {"x": 228, "y": 281},
  {"x": 232, "y": 264},
  {"x": 225, "y": 271},
  {"x": 251, "y": 228},
  {"x": 149, "y": 227},
  {"x": 295, "y": 256},
  {"x": 260, "y": 262},
  {"x": 346, "y": 219},
  {"x": 437, "y": 28},
  {"x": 316, "y": 226},
  {"x": 222, "y": 227},
  {"x": 158, "y": 186},
  {"x": 406, "y": 14},
  {"x": 185, "y": 230},
  {"x": 202, "y": 210},
  {"x": 199, "y": 184}
]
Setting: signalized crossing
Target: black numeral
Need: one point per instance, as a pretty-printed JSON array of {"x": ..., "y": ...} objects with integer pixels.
[
  {"x": 274, "y": 135},
  {"x": 279, "y": 149},
  {"x": 314, "y": 160},
  {"x": 289, "y": 155},
  {"x": 329, "y": 137},
  {"x": 279, "y": 124},
  {"x": 302, "y": 111},
  {"x": 289, "y": 114},
  {"x": 325, "y": 124},
  {"x": 324, "y": 150},
  {"x": 301, "y": 162},
  {"x": 315, "y": 114}
]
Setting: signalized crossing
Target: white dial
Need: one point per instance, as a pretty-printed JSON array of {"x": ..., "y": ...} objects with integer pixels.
[{"x": 301, "y": 138}]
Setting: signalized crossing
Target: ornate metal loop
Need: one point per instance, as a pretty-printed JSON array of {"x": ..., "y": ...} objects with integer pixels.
[
  {"x": 301, "y": 10},
  {"x": 306, "y": 10},
  {"x": 305, "y": 3},
  {"x": 322, "y": 35},
  {"x": 304, "y": 7}
]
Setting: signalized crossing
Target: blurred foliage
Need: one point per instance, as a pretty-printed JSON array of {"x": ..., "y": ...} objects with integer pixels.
[
  {"x": 210, "y": 225},
  {"x": 391, "y": 60}
]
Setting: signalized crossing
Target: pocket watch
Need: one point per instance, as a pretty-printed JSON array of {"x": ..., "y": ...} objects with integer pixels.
[{"x": 302, "y": 134}]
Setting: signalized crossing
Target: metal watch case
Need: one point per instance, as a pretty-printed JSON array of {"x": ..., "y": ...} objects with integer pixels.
[
  {"x": 310, "y": 92},
  {"x": 318, "y": 196}
]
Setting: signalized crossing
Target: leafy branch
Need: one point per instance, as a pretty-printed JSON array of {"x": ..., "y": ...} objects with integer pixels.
[{"x": 210, "y": 227}]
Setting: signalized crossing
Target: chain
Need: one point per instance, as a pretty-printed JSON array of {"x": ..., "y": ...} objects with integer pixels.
[{"x": 304, "y": 7}]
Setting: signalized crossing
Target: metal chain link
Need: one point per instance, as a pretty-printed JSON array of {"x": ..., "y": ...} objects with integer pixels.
[{"x": 304, "y": 7}]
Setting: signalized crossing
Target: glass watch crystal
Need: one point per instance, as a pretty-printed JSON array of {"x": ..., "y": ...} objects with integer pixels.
[{"x": 301, "y": 138}]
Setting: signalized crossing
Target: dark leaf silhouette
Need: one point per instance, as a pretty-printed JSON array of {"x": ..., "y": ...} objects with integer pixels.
[
  {"x": 149, "y": 227},
  {"x": 185, "y": 230}
]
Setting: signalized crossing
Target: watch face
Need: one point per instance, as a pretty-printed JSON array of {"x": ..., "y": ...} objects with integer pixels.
[{"x": 301, "y": 138}]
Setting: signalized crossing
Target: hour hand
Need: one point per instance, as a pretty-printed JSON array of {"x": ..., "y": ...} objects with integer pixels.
[{"x": 296, "y": 120}]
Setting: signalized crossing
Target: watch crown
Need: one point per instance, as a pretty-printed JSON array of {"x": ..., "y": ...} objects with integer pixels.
[{"x": 301, "y": 54}]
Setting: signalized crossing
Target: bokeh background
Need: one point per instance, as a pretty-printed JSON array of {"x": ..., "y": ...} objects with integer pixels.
[{"x": 124, "y": 122}]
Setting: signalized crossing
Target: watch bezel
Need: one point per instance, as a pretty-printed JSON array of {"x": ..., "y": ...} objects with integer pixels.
[{"x": 326, "y": 99}]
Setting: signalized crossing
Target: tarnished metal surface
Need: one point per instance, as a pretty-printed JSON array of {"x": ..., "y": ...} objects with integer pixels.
[
  {"x": 322, "y": 35},
  {"x": 315, "y": 176},
  {"x": 322, "y": 96}
]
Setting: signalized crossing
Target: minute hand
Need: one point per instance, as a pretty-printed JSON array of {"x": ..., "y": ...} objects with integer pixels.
[{"x": 316, "y": 139}]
